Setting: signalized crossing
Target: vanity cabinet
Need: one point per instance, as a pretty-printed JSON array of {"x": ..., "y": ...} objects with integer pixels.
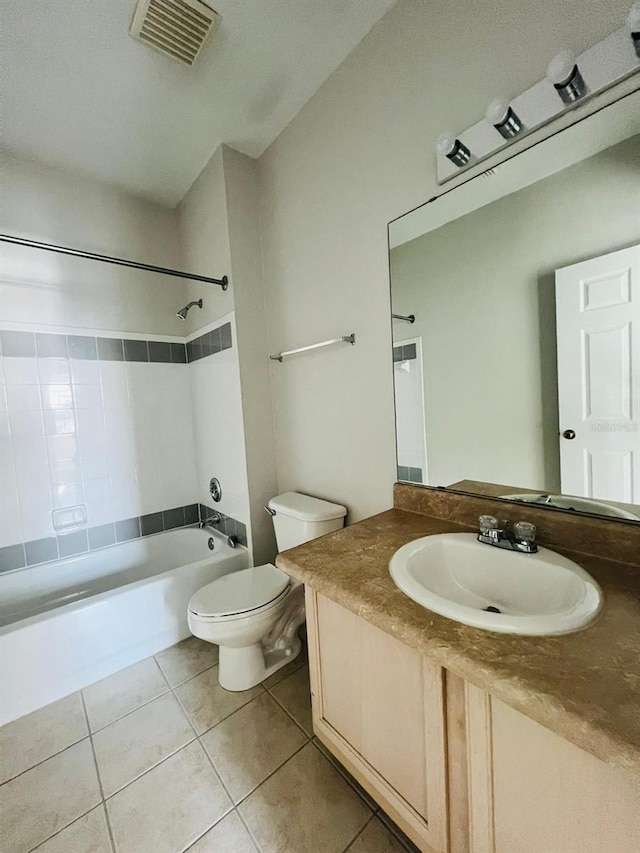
[
  {"x": 378, "y": 705},
  {"x": 458, "y": 770},
  {"x": 532, "y": 791}
]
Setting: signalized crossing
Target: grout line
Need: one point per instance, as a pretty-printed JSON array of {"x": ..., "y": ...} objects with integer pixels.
[
  {"x": 273, "y": 772},
  {"x": 357, "y": 835},
  {"x": 53, "y": 755},
  {"x": 95, "y": 761},
  {"x": 62, "y": 828},
  {"x": 289, "y": 714},
  {"x": 128, "y": 713}
]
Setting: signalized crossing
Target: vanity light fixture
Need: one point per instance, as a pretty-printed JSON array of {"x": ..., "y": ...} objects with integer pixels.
[
  {"x": 502, "y": 116},
  {"x": 453, "y": 149},
  {"x": 564, "y": 74},
  {"x": 633, "y": 22}
]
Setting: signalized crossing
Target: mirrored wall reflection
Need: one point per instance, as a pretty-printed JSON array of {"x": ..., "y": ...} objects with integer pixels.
[{"x": 520, "y": 376}]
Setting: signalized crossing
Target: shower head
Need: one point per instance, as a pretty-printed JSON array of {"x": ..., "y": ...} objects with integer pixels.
[{"x": 182, "y": 314}]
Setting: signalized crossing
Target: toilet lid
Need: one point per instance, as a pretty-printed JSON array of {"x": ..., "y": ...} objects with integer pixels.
[{"x": 240, "y": 591}]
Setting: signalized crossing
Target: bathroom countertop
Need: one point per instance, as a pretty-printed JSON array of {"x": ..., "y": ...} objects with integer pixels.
[{"x": 583, "y": 686}]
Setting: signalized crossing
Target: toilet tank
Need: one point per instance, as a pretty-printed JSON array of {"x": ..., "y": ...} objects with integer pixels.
[{"x": 298, "y": 518}]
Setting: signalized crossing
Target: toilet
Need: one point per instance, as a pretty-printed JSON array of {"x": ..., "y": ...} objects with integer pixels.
[{"x": 253, "y": 615}]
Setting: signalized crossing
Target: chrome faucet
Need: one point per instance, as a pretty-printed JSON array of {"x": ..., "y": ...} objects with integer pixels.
[
  {"x": 522, "y": 538},
  {"x": 211, "y": 521}
]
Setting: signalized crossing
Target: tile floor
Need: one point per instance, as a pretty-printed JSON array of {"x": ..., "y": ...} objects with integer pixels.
[{"x": 158, "y": 758}]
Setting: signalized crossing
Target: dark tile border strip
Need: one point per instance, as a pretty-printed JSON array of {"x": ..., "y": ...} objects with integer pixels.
[
  {"x": 404, "y": 353},
  {"x": 227, "y": 525},
  {"x": 48, "y": 345},
  {"x": 211, "y": 343},
  {"x": 88, "y": 348},
  {"x": 38, "y": 551}
]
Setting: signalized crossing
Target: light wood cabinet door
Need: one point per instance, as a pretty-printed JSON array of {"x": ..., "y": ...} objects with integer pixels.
[
  {"x": 379, "y": 706},
  {"x": 531, "y": 791}
]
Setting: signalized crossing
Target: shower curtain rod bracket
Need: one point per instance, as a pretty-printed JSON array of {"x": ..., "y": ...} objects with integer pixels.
[{"x": 107, "y": 259}]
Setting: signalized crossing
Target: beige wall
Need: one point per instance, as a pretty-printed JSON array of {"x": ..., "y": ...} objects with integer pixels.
[
  {"x": 483, "y": 292},
  {"x": 359, "y": 154},
  {"x": 52, "y": 290}
]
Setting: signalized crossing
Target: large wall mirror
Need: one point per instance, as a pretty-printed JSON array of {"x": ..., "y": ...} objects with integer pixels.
[{"x": 516, "y": 325}]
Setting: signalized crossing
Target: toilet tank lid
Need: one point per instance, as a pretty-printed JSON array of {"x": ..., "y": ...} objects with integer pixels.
[{"x": 306, "y": 508}]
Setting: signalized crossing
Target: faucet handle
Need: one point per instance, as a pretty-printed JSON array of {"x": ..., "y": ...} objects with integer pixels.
[
  {"x": 525, "y": 532},
  {"x": 487, "y": 523}
]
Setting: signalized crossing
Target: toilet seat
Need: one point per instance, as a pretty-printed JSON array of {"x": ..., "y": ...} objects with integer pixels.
[{"x": 239, "y": 594}]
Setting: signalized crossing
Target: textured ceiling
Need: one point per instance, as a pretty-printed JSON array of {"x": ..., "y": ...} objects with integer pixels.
[{"x": 80, "y": 93}]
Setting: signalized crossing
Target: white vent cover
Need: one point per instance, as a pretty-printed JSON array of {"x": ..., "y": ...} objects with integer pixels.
[{"x": 178, "y": 28}]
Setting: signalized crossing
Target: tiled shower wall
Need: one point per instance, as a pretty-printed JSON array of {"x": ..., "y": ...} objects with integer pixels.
[{"x": 96, "y": 441}]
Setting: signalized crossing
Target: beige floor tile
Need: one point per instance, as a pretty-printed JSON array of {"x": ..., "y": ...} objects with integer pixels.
[
  {"x": 136, "y": 743},
  {"x": 89, "y": 834},
  {"x": 228, "y": 836},
  {"x": 36, "y": 737},
  {"x": 250, "y": 744},
  {"x": 305, "y": 807},
  {"x": 294, "y": 694},
  {"x": 376, "y": 838},
  {"x": 206, "y": 703},
  {"x": 188, "y": 658},
  {"x": 287, "y": 669},
  {"x": 169, "y": 807},
  {"x": 117, "y": 695},
  {"x": 46, "y": 798}
]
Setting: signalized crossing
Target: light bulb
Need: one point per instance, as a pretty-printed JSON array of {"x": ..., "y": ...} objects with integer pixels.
[
  {"x": 633, "y": 18},
  {"x": 445, "y": 143},
  {"x": 633, "y": 22},
  {"x": 567, "y": 80},
  {"x": 451, "y": 148},
  {"x": 560, "y": 69},
  {"x": 502, "y": 116}
]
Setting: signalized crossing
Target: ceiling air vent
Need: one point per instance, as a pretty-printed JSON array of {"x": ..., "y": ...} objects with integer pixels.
[{"x": 178, "y": 28}]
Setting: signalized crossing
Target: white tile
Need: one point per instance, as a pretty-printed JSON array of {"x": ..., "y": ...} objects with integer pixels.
[
  {"x": 61, "y": 447},
  {"x": 123, "y": 692},
  {"x": 142, "y": 390},
  {"x": 25, "y": 397},
  {"x": 113, "y": 373},
  {"x": 170, "y": 807},
  {"x": 95, "y": 467},
  {"x": 53, "y": 370},
  {"x": 25, "y": 424},
  {"x": 65, "y": 471},
  {"x": 88, "y": 834},
  {"x": 35, "y": 517},
  {"x": 134, "y": 744},
  {"x": 84, "y": 372},
  {"x": 60, "y": 422},
  {"x": 30, "y": 460},
  {"x": 34, "y": 738},
  {"x": 4, "y": 423},
  {"x": 91, "y": 432},
  {"x": 46, "y": 798},
  {"x": 67, "y": 494},
  {"x": 87, "y": 396},
  {"x": 20, "y": 371},
  {"x": 58, "y": 396}
]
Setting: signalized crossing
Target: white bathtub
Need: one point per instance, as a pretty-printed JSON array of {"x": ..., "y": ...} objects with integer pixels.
[{"x": 72, "y": 622}]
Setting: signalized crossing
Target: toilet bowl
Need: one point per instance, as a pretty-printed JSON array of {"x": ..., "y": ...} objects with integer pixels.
[
  {"x": 239, "y": 613},
  {"x": 253, "y": 615}
]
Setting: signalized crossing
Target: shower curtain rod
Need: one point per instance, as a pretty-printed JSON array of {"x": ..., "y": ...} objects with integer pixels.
[{"x": 107, "y": 259}]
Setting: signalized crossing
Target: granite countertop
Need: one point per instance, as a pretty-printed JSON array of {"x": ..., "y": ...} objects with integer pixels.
[{"x": 583, "y": 686}]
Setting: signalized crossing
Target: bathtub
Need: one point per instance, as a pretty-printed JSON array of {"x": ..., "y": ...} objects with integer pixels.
[{"x": 66, "y": 624}]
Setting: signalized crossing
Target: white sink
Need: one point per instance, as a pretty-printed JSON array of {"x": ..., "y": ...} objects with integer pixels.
[
  {"x": 578, "y": 504},
  {"x": 536, "y": 594}
]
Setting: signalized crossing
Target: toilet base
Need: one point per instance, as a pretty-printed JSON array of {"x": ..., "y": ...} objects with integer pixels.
[{"x": 245, "y": 667}]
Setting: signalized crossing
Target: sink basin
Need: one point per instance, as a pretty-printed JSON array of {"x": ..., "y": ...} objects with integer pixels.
[
  {"x": 532, "y": 594},
  {"x": 578, "y": 504}
]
